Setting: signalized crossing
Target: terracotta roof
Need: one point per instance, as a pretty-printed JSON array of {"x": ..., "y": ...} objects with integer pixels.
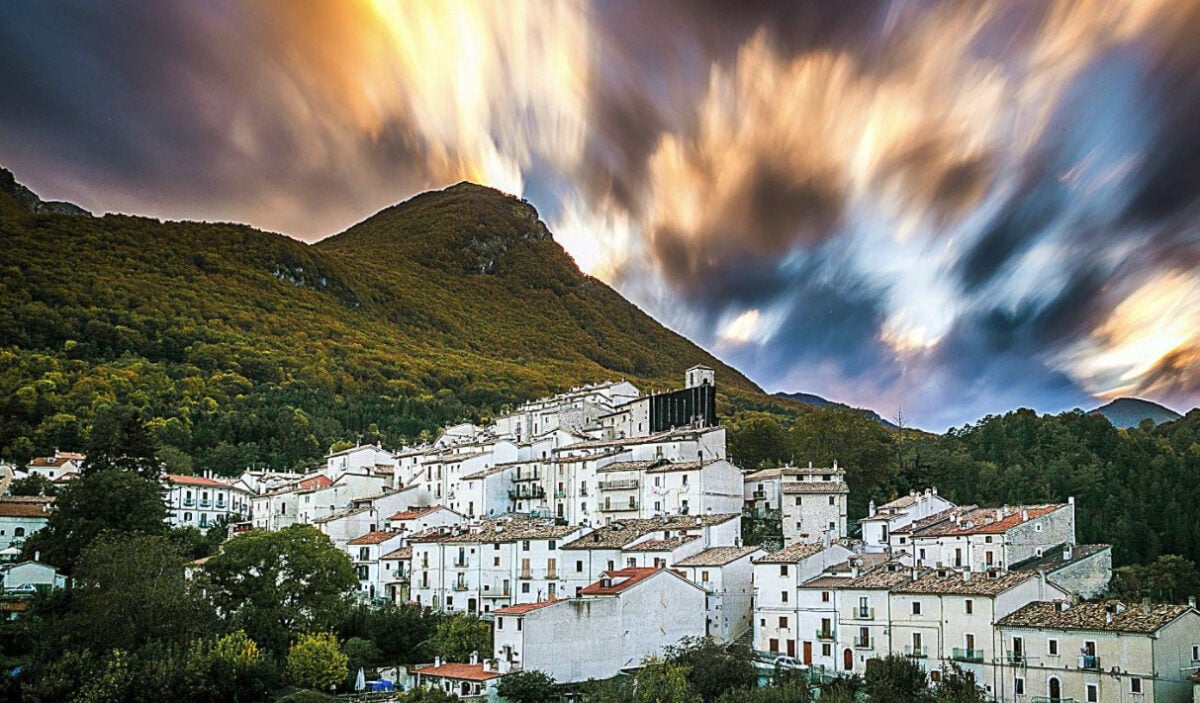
[
  {"x": 318, "y": 481},
  {"x": 984, "y": 521},
  {"x": 792, "y": 554},
  {"x": 794, "y": 487},
  {"x": 522, "y": 608},
  {"x": 497, "y": 531},
  {"x": 764, "y": 475},
  {"x": 670, "y": 466},
  {"x": 27, "y": 499},
  {"x": 414, "y": 513},
  {"x": 1094, "y": 616},
  {"x": 50, "y": 461},
  {"x": 454, "y": 670},
  {"x": 1052, "y": 558},
  {"x": 661, "y": 545},
  {"x": 887, "y": 577},
  {"x": 588, "y": 457},
  {"x": 66, "y": 477},
  {"x": 402, "y": 554},
  {"x": 936, "y": 518},
  {"x": 619, "y": 533},
  {"x": 618, "y": 581},
  {"x": 717, "y": 556},
  {"x": 339, "y": 515},
  {"x": 952, "y": 582},
  {"x": 29, "y": 510},
  {"x": 629, "y": 466},
  {"x": 372, "y": 538},
  {"x": 195, "y": 481}
]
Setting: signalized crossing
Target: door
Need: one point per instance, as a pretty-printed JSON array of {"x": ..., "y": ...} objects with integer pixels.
[
  {"x": 791, "y": 647},
  {"x": 808, "y": 653},
  {"x": 848, "y": 660},
  {"x": 1054, "y": 689}
]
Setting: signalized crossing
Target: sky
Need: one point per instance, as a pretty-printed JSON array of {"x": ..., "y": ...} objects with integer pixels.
[{"x": 939, "y": 210}]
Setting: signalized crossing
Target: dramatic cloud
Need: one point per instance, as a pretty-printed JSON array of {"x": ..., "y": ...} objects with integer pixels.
[{"x": 949, "y": 208}]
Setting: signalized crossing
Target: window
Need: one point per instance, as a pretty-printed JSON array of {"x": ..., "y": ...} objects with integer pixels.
[
  {"x": 1052, "y": 647},
  {"x": 826, "y": 649},
  {"x": 832, "y": 526},
  {"x": 525, "y": 587},
  {"x": 783, "y": 596},
  {"x": 579, "y": 567},
  {"x": 1093, "y": 693},
  {"x": 921, "y": 554},
  {"x": 495, "y": 561},
  {"x": 658, "y": 506},
  {"x": 774, "y": 645},
  {"x": 988, "y": 539},
  {"x": 783, "y": 623},
  {"x": 989, "y": 558},
  {"x": 524, "y": 545},
  {"x": 1135, "y": 685},
  {"x": 19, "y": 532},
  {"x": 495, "y": 546},
  {"x": 797, "y": 500},
  {"x": 1019, "y": 686},
  {"x": 685, "y": 479},
  {"x": 969, "y": 606},
  {"x": 832, "y": 500},
  {"x": 799, "y": 525},
  {"x": 824, "y": 596},
  {"x": 783, "y": 571},
  {"x": 553, "y": 545},
  {"x": 1196, "y": 652},
  {"x": 499, "y": 623}
]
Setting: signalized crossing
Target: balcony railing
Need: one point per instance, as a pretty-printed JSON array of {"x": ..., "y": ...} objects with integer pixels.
[
  {"x": 459, "y": 586},
  {"x": 1089, "y": 661},
  {"x": 460, "y": 562},
  {"x": 760, "y": 495},
  {"x": 527, "y": 476},
  {"x": 552, "y": 575},
  {"x": 620, "y": 508},
  {"x": 915, "y": 652},
  {"x": 1044, "y": 699},
  {"x": 864, "y": 642},
  {"x": 560, "y": 493},
  {"x": 824, "y": 634},
  {"x": 189, "y": 502},
  {"x": 205, "y": 502},
  {"x": 526, "y": 492},
  {"x": 621, "y": 485},
  {"x": 525, "y": 576},
  {"x": 1014, "y": 657},
  {"x": 966, "y": 655},
  {"x": 864, "y": 613}
]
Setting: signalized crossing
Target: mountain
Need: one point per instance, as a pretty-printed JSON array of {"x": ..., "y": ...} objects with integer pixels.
[
  {"x": 817, "y": 401},
  {"x": 242, "y": 346},
  {"x": 1129, "y": 412}
]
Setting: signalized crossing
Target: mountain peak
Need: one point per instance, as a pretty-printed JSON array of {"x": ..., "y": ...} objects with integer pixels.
[
  {"x": 1130, "y": 412},
  {"x": 16, "y": 199}
]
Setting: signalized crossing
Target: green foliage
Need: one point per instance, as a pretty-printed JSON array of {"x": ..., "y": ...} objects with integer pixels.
[
  {"x": 757, "y": 440},
  {"x": 660, "y": 681},
  {"x": 958, "y": 686},
  {"x": 316, "y": 662},
  {"x": 712, "y": 668},
  {"x": 404, "y": 634},
  {"x": 306, "y": 696},
  {"x": 897, "y": 679},
  {"x": 459, "y": 635},
  {"x": 427, "y": 695},
  {"x": 271, "y": 584},
  {"x": 528, "y": 687},
  {"x": 1168, "y": 579},
  {"x": 112, "y": 500},
  {"x": 192, "y": 543},
  {"x": 130, "y": 590},
  {"x": 32, "y": 485},
  {"x": 119, "y": 441},
  {"x": 789, "y": 693}
]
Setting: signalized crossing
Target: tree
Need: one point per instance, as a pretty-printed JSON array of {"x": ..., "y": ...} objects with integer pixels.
[
  {"x": 659, "y": 681},
  {"x": 114, "y": 501},
  {"x": 896, "y": 678},
  {"x": 271, "y": 584},
  {"x": 461, "y": 634},
  {"x": 316, "y": 662},
  {"x": 958, "y": 686},
  {"x": 1170, "y": 578},
  {"x": 129, "y": 590},
  {"x": 757, "y": 441},
  {"x": 119, "y": 440},
  {"x": 528, "y": 687},
  {"x": 713, "y": 668},
  {"x": 361, "y": 653},
  {"x": 32, "y": 485}
]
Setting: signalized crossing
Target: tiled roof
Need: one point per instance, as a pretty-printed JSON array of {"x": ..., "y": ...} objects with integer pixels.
[
  {"x": 195, "y": 481},
  {"x": 402, "y": 554},
  {"x": 414, "y": 513},
  {"x": 27, "y": 510},
  {"x": 1052, "y": 559},
  {"x": 318, "y": 481},
  {"x": 661, "y": 545},
  {"x": 66, "y": 477},
  {"x": 522, "y": 608},
  {"x": 952, "y": 582},
  {"x": 936, "y": 518},
  {"x": 484, "y": 473},
  {"x": 629, "y": 465},
  {"x": 588, "y": 457},
  {"x": 454, "y": 670},
  {"x": 47, "y": 461},
  {"x": 764, "y": 475},
  {"x": 1133, "y": 618},
  {"x": 339, "y": 515},
  {"x": 377, "y": 537},
  {"x": 27, "y": 499},
  {"x": 988, "y": 521},
  {"x": 618, "y": 581},
  {"x": 792, "y": 554},
  {"x": 717, "y": 556},
  {"x": 670, "y": 466},
  {"x": 497, "y": 531},
  {"x": 794, "y": 487},
  {"x": 619, "y": 533},
  {"x": 886, "y": 576}
]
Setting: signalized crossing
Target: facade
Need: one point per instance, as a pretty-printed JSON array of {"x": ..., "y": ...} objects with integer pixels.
[
  {"x": 20, "y": 517},
  {"x": 201, "y": 502},
  {"x": 61, "y": 466},
  {"x": 990, "y": 538},
  {"x": 27, "y": 575},
  {"x": 366, "y": 552},
  {"x": 1083, "y": 570},
  {"x": 628, "y": 615},
  {"x": 1099, "y": 652},
  {"x": 462, "y": 680},
  {"x": 763, "y": 490},
  {"x": 727, "y": 576},
  {"x": 881, "y": 523},
  {"x": 777, "y": 577},
  {"x": 814, "y": 504}
]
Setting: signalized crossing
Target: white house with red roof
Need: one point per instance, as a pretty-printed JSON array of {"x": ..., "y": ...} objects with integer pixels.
[
  {"x": 476, "y": 678},
  {"x": 56, "y": 467},
  {"x": 366, "y": 552},
  {"x": 628, "y": 615},
  {"x": 201, "y": 501},
  {"x": 993, "y": 538},
  {"x": 20, "y": 517},
  {"x": 417, "y": 519}
]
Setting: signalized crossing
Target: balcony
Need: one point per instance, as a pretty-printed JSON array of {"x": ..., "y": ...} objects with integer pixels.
[
  {"x": 627, "y": 484},
  {"x": 526, "y": 492},
  {"x": 1015, "y": 658},
  {"x": 526, "y": 575},
  {"x": 864, "y": 643},
  {"x": 916, "y": 652},
  {"x": 824, "y": 634},
  {"x": 460, "y": 563},
  {"x": 459, "y": 586},
  {"x": 760, "y": 495},
  {"x": 620, "y": 508},
  {"x": 1089, "y": 662},
  {"x": 189, "y": 502},
  {"x": 864, "y": 613},
  {"x": 966, "y": 655},
  {"x": 1044, "y": 699},
  {"x": 528, "y": 476},
  {"x": 552, "y": 575},
  {"x": 205, "y": 503},
  {"x": 560, "y": 493}
]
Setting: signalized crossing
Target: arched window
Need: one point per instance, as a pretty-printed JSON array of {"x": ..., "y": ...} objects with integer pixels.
[{"x": 19, "y": 532}]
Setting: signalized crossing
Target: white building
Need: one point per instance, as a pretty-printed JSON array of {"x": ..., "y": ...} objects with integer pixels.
[
  {"x": 418, "y": 519},
  {"x": 763, "y": 489},
  {"x": 881, "y": 523},
  {"x": 361, "y": 459},
  {"x": 20, "y": 517},
  {"x": 990, "y": 538},
  {"x": 727, "y": 576},
  {"x": 1104, "y": 652},
  {"x": 628, "y": 615},
  {"x": 814, "y": 504},
  {"x": 25, "y": 575},
  {"x": 475, "y": 679},
  {"x": 201, "y": 502},
  {"x": 366, "y": 552},
  {"x": 777, "y": 576},
  {"x": 61, "y": 466}
]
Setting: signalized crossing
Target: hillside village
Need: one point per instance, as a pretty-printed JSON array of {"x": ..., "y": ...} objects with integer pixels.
[{"x": 606, "y": 511}]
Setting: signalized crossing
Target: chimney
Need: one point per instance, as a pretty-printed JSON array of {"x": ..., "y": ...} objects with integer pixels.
[
  {"x": 871, "y": 509},
  {"x": 1192, "y": 601},
  {"x": 1041, "y": 574},
  {"x": 1108, "y": 617},
  {"x": 914, "y": 573},
  {"x": 966, "y": 574},
  {"x": 999, "y": 514},
  {"x": 934, "y": 489},
  {"x": 37, "y": 556},
  {"x": 1146, "y": 606},
  {"x": 437, "y": 661},
  {"x": 1067, "y": 552},
  {"x": 835, "y": 464},
  {"x": 474, "y": 657},
  {"x": 1024, "y": 515}
]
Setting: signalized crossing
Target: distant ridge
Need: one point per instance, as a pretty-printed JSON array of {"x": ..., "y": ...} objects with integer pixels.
[
  {"x": 1130, "y": 412},
  {"x": 16, "y": 198},
  {"x": 817, "y": 401}
]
